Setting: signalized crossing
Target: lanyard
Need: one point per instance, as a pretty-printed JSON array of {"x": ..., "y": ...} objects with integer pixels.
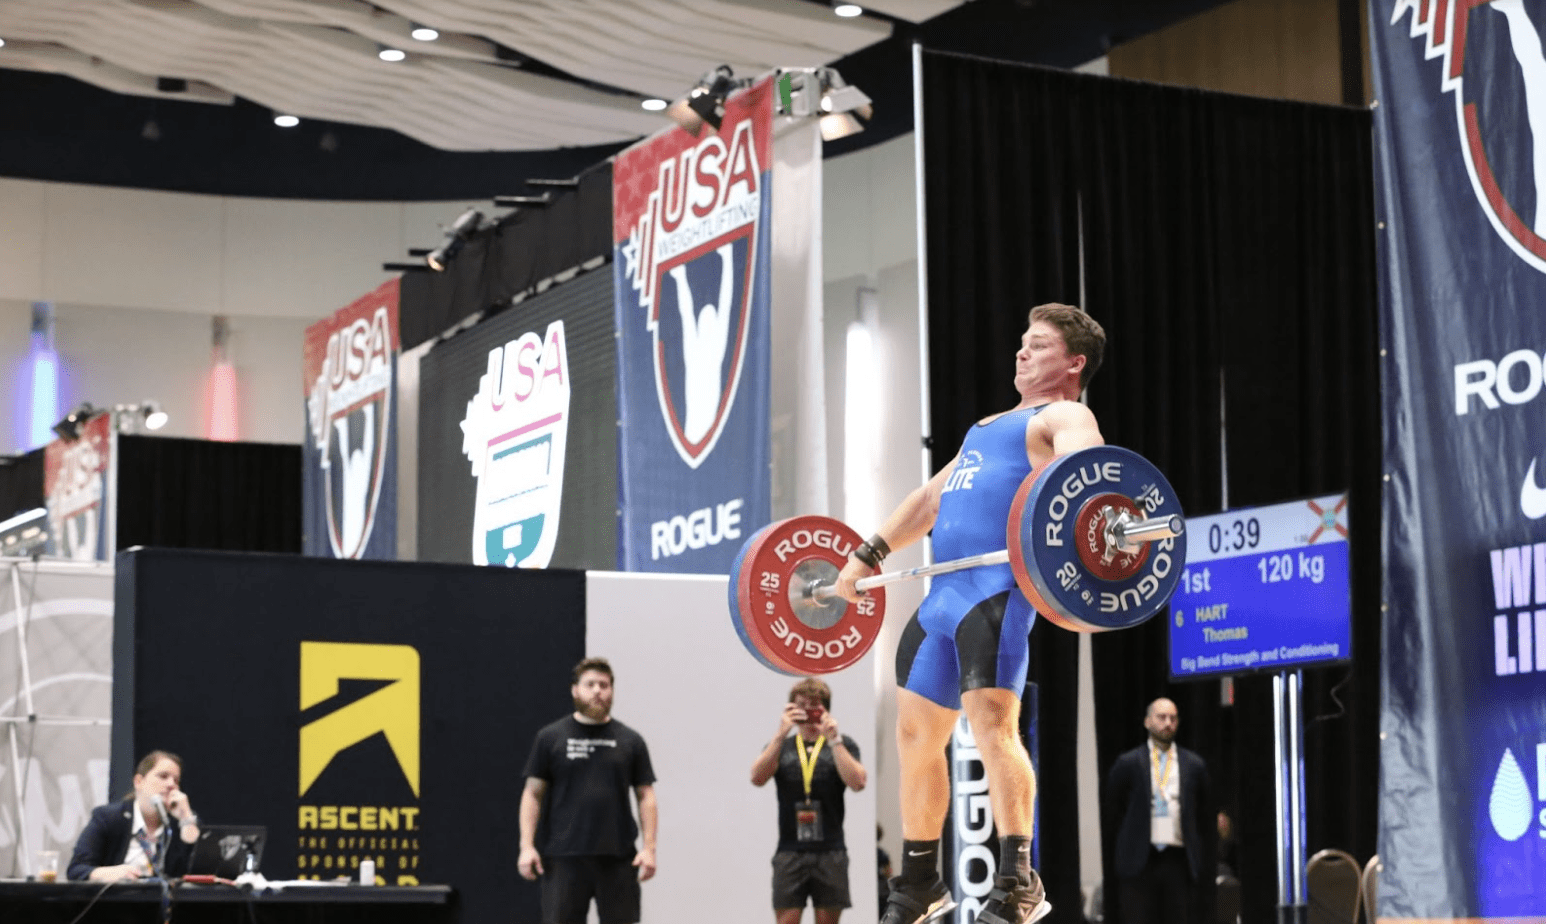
[
  {"x": 1161, "y": 769},
  {"x": 152, "y": 849},
  {"x": 808, "y": 766}
]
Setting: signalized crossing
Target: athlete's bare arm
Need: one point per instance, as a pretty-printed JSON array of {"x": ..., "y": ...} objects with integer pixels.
[
  {"x": 1061, "y": 428},
  {"x": 909, "y": 522}
]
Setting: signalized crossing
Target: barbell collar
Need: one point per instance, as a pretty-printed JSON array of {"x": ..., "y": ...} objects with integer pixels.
[{"x": 1125, "y": 535}]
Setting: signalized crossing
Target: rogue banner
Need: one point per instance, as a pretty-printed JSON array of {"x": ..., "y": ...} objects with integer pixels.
[
  {"x": 1461, "y": 179},
  {"x": 692, "y": 230},
  {"x": 349, "y": 490}
]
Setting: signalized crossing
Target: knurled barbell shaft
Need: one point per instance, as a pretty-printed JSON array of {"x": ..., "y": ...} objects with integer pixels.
[{"x": 1149, "y": 530}]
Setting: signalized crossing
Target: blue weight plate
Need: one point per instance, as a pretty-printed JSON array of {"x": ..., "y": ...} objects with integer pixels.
[{"x": 1044, "y": 553}]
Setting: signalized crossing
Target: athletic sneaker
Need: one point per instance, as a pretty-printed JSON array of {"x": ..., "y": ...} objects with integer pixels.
[
  {"x": 911, "y": 905},
  {"x": 1013, "y": 903}
]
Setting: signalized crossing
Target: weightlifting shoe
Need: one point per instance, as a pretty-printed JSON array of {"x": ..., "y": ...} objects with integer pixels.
[
  {"x": 1010, "y": 902},
  {"x": 911, "y": 905}
]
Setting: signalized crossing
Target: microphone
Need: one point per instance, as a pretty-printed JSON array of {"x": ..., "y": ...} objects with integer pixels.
[{"x": 160, "y": 807}]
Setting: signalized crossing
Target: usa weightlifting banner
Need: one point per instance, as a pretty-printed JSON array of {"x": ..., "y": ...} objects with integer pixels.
[
  {"x": 349, "y": 372},
  {"x": 692, "y": 230},
  {"x": 79, "y": 488},
  {"x": 1461, "y": 179},
  {"x": 360, "y": 710}
]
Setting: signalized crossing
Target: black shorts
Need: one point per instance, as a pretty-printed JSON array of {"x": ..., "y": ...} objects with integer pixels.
[
  {"x": 569, "y": 884},
  {"x": 819, "y": 875}
]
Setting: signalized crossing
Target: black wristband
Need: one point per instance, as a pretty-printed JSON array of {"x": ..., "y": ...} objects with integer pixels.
[
  {"x": 879, "y": 547},
  {"x": 866, "y": 553}
]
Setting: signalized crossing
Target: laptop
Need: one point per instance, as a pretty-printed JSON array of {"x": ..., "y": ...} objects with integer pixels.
[{"x": 223, "y": 850}]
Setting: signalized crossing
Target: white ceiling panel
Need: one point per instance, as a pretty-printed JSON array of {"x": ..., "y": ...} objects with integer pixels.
[{"x": 578, "y": 71}]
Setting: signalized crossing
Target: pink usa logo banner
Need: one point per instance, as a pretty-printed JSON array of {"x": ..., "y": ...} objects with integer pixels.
[
  {"x": 1449, "y": 29},
  {"x": 687, "y": 218}
]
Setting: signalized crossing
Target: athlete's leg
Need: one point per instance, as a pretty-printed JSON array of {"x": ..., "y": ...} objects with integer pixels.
[
  {"x": 922, "y": 730},
  {"x": 994, "y": 716}
]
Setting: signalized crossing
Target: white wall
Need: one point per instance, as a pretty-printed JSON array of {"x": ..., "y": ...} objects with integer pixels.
[
  {"x": 136, "y": 277},
  {"x": 706, "y": 710}
]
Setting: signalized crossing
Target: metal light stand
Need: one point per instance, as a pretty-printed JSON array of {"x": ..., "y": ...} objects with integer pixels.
[{"x": 1288, "y": 751}]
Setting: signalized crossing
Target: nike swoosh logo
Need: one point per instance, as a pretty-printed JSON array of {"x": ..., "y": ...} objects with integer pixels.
[
  {"x": 919, "y": 853},
  {"x": 1532, "y": 497}
]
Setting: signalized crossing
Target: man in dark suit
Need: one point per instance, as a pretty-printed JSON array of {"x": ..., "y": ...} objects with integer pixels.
[{"x": 1160, "y": 831}]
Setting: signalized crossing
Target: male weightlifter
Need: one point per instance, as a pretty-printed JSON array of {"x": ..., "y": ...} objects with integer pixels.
[{"x": 968, "y": 647}]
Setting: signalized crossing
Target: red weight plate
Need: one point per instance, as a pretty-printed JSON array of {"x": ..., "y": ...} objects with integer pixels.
[
  {"x": 798, "y": 634},
  {"x": 750, "y": 633},
  {"x": 1090, "y": 538}
]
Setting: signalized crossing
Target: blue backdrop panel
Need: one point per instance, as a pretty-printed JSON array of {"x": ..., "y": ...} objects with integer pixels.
[
  {"x": 358, "y": 709},
  {"x": 1461, "y": 174}
]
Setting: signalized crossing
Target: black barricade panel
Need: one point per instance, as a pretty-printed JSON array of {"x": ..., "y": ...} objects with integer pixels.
[
  {"x": 360, "y": 710},
  {"x": 518, "y": 435}
]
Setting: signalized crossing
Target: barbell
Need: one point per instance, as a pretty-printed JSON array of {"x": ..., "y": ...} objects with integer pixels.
[{"x": 1095, "y": 540}]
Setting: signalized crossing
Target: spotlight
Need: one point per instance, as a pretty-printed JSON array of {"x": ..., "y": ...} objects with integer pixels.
[
  {"x": 70, "y": 427},
  {"x": 424, "y": 34},
  {"x": 391, "y": 54},
  {"x": 704, "y": 102},
  {"x": 132, "y": 418},
  {"x": 286, "y": 121},
  {"x": 24, "y": 533},
  {"x": 822, "y": 92},
  {"x": 654, "y": 105},
  {"x": 466, "y": 225},
  {"x": 847, "y": 10}
]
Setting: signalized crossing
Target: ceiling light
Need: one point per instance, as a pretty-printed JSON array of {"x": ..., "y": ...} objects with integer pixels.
[
  {"x": 70, "y": 427},
  {"x": 2, "y": 43},
  {"x": 466, "y": 225},
  {"x": 654, "y": 105},
  {"x": 391, "y": 54},
  {"x": 848, "y": 10},
  {"x": 286, "y": 121},
  {"x": 424, "y": 33}
]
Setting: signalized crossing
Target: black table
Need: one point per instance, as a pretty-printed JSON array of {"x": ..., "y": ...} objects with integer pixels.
[{"x": 140, "y": 903}]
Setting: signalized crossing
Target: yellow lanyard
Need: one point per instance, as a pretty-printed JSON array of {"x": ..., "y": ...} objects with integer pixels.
[
  {"x": 808, "y": 766},
  {"x": 1161, "y": 769}
]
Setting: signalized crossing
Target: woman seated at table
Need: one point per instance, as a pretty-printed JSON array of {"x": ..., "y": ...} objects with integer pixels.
[{"x": 150, "y": 833}]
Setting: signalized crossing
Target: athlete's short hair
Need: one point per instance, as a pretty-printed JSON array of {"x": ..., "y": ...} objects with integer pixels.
[{"x": 1082, "y": 334}]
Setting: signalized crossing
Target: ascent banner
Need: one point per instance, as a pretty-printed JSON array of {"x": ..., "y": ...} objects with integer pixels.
[
  {"x": 1461, "y": 179},
  {"x": 692, "y": 220},
  {"x": 349, "y": 489}
]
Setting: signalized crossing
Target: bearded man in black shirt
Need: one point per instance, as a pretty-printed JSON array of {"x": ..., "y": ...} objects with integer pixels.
[{"x": 576, "y": 806}]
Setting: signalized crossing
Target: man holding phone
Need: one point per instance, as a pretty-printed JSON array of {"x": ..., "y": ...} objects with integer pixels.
[{"x": 812, "y": 770}]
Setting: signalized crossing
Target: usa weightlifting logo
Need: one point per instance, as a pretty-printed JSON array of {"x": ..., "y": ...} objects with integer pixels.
[
  {"x": 1493, "y": 47},
  {"x": 1062, "y": 538},
  {"x": 690, "y": 255},
  {"x": 348, "y": 411},
  {"x": 515, "y": 434}
]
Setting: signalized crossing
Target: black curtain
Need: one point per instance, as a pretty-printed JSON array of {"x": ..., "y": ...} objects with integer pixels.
[
  {"x": 1228, "y": 250},
  {"x": 21, "y": 483},
  {"x": 511, "y": 256},
  {"x": 199, "y": 494}
]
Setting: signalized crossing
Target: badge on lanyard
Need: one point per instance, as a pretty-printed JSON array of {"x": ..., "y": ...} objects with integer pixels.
[
  {"x": 1162, "y": 772},
  {"x": 807, "y": 814}
]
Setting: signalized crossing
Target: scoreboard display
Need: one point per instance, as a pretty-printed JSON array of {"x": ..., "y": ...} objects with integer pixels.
[{"x": 1263, "y": 588}]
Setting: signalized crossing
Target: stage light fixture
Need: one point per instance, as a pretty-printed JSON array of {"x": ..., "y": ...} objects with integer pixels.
[
  {"x": 132, "y": 418},
  {"x": 391, "y": 54},
  {"x": 847, "y": 10},
  {"x": 704, "y": 103},
  {"x": 424, "y": 33},
  {"x": 286, "y": 121},
  {"x": 69, "y": 428},
  {"x": 465, "y": 226},
  {"x": 822, "y": 92},
  {"x": 24, "y": 533}
]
